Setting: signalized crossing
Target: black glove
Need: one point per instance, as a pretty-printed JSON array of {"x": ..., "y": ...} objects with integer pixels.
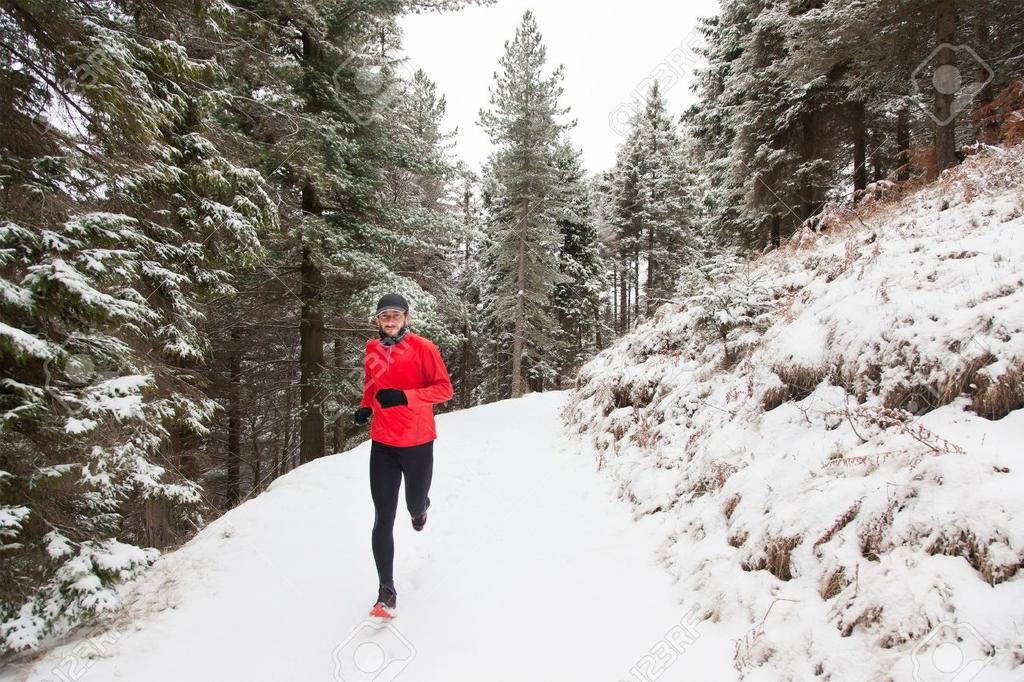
[
  {"x": 362, "y": 415},
  {"x": 390, "y": 397}
]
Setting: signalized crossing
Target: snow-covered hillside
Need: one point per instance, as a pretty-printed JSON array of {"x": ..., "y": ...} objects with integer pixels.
[
  {"x": 529, "y": 569},
  {"x": 834, "y": 436}
]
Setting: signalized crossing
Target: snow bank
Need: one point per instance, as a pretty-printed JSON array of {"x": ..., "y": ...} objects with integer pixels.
[{"x": 835, "y": 431}]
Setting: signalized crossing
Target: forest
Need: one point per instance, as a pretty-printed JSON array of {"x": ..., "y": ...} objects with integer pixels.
[{"x": 201, "y": 201}]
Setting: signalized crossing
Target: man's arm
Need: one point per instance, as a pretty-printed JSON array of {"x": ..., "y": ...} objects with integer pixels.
[
  {"x": 368, "y": 381},
  {"x": 439, "y": 386}
]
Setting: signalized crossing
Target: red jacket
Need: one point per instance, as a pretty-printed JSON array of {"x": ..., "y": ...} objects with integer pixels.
[{"x": 413, "y": 365}]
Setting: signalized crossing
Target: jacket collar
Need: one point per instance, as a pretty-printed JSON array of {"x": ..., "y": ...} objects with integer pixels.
[{"x": 386, "y": 340}]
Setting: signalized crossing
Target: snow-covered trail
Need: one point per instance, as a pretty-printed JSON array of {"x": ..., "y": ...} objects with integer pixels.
[{"x": 528, "y": 569}]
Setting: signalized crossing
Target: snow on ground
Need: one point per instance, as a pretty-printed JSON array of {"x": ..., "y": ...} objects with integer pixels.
[
  {"x": 833, "y": 435},
  {"x": 823, "y": 448},
  {"x": 528, "y": 569}
]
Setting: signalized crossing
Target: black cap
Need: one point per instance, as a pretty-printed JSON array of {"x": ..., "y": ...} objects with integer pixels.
[{"x": 392, "y": 302}]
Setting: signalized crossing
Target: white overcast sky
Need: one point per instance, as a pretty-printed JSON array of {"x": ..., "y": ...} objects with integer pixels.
[{"x": 608, "y": 48}]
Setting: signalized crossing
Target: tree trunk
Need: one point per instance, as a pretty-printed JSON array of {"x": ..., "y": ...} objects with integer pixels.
[
  {"x": 465, "y": 396},
  {"x": 311, "y": 360},
  {"x": 311, "y": 346},
  {"x": 338, "y": 432},
  {"x": 776, "y": 230},
  {"x": 860, "y": 144},
  {"x": 636, "y": 280},
  {"x": 286, "y": 445},
  {"x": 614, "y": 302},
  {"x": 945, "y": 130},
  {"x": 257, "y": 464},
  {"x": 877, "y": 169},
  {"x": 277, "y": 418},
  {"x": 497, "y": 364},
  {"x": 519, "y": 334},
  {"x": 987, "y": 132},
  {"x": 652, "y": 265},
  {"x": 157, "y": 523},
  {"x": 464, "y": 367},
  {"x": 623, "y": 298},
  {"x": 808, "y": 144},
  {"x": 903, "y": 145},
  {"x": 231, "y": 480}
]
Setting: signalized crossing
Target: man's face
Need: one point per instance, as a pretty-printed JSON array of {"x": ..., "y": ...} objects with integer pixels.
[{"x": 391, "y": 321}]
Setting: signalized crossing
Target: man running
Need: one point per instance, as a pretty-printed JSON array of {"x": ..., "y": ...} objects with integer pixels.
[{"x": 404, "y": 377}]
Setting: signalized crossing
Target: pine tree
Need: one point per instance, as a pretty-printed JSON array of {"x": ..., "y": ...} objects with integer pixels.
[
  {"x": 524, "y": 126},
  {"x": 354, "y": 141},
  {"x": 576, "y": 300},
  {"x": 651, "y": 211},
  {"x": 713, "y": 127},
  {"x": 662, "y": 209},
  {"x": 468, "y": 369},
  {"x": 119, "y": 215},
  {"x": 603, "y": 212}
]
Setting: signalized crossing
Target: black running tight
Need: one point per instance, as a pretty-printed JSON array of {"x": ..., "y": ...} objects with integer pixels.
[{"x": 388, "y": 464}]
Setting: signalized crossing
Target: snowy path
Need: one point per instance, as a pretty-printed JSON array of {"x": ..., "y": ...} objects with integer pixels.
[{"x": 529, "y": 569}]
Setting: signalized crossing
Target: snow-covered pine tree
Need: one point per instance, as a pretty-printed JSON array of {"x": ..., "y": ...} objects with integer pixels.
[
  {"x": 626, "y": 201},
  {"x": 662, "y": 211},
  {"x": 119, "y": 214},
  {"x": 766, "y": 138},
  {"x": 522, "y": 177},
  {"x": 713, "y": 128},
  {"x": 603, "y": 213},
  {"x": 576, "y": 301},
  {"x": 422, "y": 202},
  {"x": 793, "y": 93},
  {"x": 884, "y": 55},
  {"x": 650, "y": 208},
  {"x": 354, "y": 142},
  {"x": 495, "y": 342},
  {"x": 468, "y": 366},
  {"x": 777, "y": 131}
]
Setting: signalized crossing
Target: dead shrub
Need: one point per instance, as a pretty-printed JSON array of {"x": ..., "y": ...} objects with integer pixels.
[
  {"x": 713, "y": 478},
  {"x": 737, "y": 540},
  {"x": 774, "y": 397},
  {"x": 834, "y": 583},
  {"x": 646, "y": 433},
  {"x": 775, "y": 558},
  {"x": 922, "y": 162},
  {"x": 692, "y": 439},
  {"x": 865, "y": 618},
  {"x": 751, "y": 650},
  {"x": 798, "y": 383},
  {"x": 900, "y": 420},
  {"x": 923, "y": 398},
  {"x": 620, "y": 396},
  {"x": 871, "y": 532},
  {"x": 730, "y": 506},
  {"x": 619, "y": 427},
  {"x": 1002, "y": 119},
  {"x": 604, "y": 398},
  {"x": 998, "y": 399},
  {"x": 779, "y": 551},
  {"x": 841, "y": 522},
  {"x": 967, "y": 545}
]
